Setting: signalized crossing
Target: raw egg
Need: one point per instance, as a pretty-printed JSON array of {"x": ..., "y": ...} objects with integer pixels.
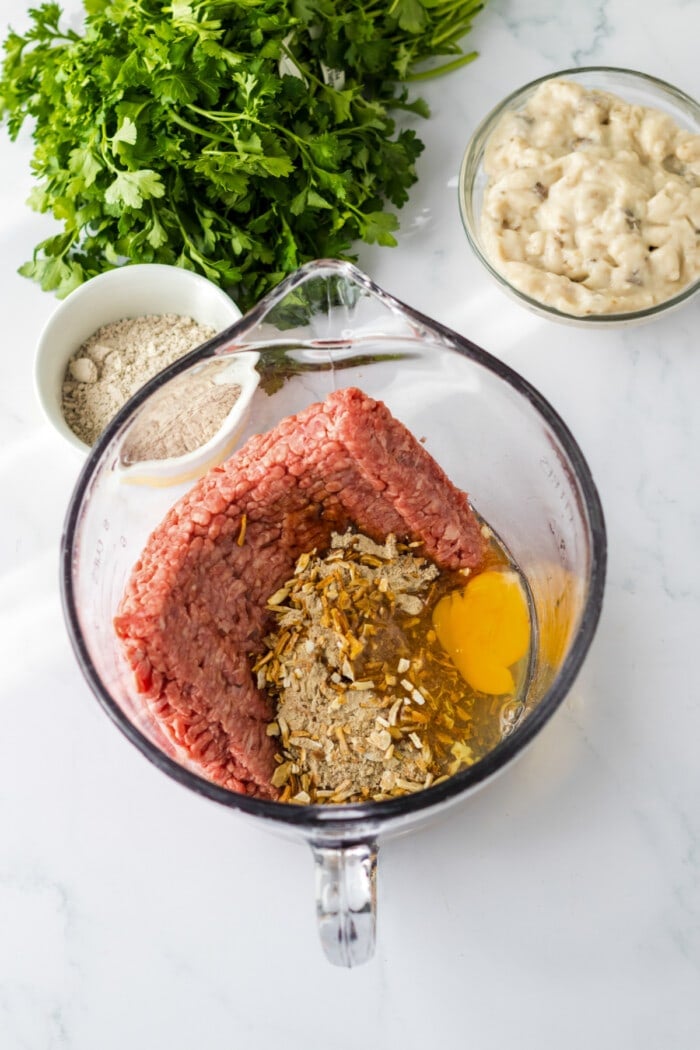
[{"x": 485, "y": 629}]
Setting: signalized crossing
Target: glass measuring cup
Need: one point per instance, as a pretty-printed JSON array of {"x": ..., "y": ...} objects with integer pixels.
[{"x": 329, "y": 326}]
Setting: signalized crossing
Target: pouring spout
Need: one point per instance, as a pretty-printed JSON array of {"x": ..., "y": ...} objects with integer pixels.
[{"x": 325, "y": 303}]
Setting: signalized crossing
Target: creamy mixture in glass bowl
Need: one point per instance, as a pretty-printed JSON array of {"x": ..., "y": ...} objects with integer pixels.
[{"x": 581, "y": 194}]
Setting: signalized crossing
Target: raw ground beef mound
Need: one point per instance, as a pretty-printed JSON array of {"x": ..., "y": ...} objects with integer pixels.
[{"x": 194, "y": 607}]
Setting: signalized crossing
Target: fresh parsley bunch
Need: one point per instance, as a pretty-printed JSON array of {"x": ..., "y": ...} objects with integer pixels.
[{"x": 237, "y": 138}]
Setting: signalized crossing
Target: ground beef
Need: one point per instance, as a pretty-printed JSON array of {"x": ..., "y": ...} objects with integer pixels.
[{"x": 195, "y": 605}]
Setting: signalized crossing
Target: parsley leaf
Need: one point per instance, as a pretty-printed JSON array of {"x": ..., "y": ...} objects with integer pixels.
[{"x": 130, "y": 188}]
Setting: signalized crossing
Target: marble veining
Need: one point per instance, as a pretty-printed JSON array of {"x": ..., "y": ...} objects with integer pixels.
[{"x": 559, "y": 907}]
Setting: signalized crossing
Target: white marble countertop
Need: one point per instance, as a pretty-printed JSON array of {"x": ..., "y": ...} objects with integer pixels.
[{"x": 559, "y": 908}]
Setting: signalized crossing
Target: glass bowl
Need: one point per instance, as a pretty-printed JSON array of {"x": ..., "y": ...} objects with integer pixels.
[
  {"x": 633, "y": 87},
  {"x": 327, "y": 327}
]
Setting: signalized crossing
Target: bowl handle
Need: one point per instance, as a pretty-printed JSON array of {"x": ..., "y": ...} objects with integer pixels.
[{"x": 346, "y": 901}]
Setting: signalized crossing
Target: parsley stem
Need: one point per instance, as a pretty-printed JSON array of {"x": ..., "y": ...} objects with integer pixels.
[
  {"x": 449, "y": 35},
  {"x": 447, "y": 67},
  {"x": 224, "y": 118},
  {"x": 196, "y": 130},
  {"x": 302, "y": 67},
  {"x": 220, "y": 115}
]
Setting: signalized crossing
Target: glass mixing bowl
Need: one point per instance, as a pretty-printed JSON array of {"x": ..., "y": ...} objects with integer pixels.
[{"x": 325, "y": 327}]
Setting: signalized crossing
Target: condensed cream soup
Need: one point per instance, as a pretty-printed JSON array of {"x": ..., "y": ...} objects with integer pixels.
[{"x": 592, "y": 204}]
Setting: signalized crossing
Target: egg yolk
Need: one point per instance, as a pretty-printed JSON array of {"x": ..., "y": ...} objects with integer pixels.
[{"x": 485, "y": 629}]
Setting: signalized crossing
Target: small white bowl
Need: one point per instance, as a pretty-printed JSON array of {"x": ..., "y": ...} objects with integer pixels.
[{"x": 128, "y": 291}]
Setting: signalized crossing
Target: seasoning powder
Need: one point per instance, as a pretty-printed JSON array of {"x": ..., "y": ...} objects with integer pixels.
[
  {"x": 360, "y": 710},
  {"x": 182, "y": 415},
  {"x": 117, "y": 360}
]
